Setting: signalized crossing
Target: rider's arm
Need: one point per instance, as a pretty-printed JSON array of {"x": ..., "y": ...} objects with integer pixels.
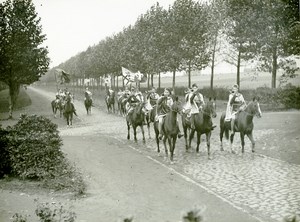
[{"x": 160, "y": 100}]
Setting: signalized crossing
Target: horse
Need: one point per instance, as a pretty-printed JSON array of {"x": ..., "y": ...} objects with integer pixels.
[
  {"x": 69, "y": 109},
  {"x": 203, "y": 125},
  {"x": 135, "y": 119},
  {"x": 170, "y": 129},
  {"x": 121, "y": 105},
  {"x": 88, "y": 102},
  {"x": 110, "y": 102},
  {"x": 150, "y": 118},
  {"x": 243, "y": 124},
  {"x": 57, "y": 104}
]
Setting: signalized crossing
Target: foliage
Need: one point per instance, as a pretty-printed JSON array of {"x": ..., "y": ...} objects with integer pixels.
[
  {"x": 34, "y": 151},
  {"x": 34, "y": 146},
  {"x": 4, "y": 154},
  {"x": 54, "y": 212},
  {"x": 289, "y": 96},
  {"x": 23, "y": 59},
  {"x": 19, "y": 218}
]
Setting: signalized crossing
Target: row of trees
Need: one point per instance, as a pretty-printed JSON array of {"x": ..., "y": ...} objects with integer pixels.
[{"x": 191, "y": 35}]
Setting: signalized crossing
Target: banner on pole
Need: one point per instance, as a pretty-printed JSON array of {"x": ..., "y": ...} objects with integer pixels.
[
  {"x": 130, "y": 76},
  {"x": 62, "y": 76}
]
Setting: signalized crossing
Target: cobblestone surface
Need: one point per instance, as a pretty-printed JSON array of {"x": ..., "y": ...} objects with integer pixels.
[{"x": 264, "y": 186}]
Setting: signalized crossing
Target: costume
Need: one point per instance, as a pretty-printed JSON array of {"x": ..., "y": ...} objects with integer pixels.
[{"x": 236, "y": 102}]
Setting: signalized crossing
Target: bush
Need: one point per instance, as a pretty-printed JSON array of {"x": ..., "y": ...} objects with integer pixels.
[
  {"x": 34, "y": 147},
  {"x": 289, "y": 96},
  {"x": 4, "y": 154}
]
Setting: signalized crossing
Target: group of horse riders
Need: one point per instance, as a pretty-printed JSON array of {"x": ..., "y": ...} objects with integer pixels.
[{"x": 194, "y": 102}]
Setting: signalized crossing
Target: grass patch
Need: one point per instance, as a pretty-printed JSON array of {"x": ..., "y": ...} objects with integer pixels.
[{"x": 23, "y": 100}]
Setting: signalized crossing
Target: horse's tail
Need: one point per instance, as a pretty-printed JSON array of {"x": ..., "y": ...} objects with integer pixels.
[{"x": 223, "y": 128}]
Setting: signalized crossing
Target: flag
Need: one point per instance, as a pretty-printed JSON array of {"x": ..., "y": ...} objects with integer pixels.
[
  {"x": 128, "y": 76},
  {"x": 133, "y": 77},
  {"x": 62, "y": 76}
]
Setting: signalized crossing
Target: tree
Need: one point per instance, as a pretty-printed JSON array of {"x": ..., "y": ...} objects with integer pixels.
[
  {"x": 23, "y": 59},
  {"x": 279, "y": 34}
]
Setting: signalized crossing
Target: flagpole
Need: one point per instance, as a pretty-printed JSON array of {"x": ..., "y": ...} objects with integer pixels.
[{"x": 56, "y": 80}]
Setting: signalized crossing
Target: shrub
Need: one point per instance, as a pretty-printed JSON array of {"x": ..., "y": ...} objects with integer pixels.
[
  {"x": 289, "y": 96},
  {"x": 54, "y": 212},
  {"x": 34, "y": 147},
  {"x": 5, "y": 167}
]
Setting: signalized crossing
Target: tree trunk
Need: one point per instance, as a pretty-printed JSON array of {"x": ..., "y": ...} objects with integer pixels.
[
  {"x": 173, "y": 83},
  {"x": 189, "y": 74},
  {"x": 238, "y": 68},
  {"x": 14, "y": 89},
  {"x": 274, "y": 67},
  {"x": 148, "y": 81},
  {"x": 213, "y": 65},
  {"x": 152, "y": 79},
  {"x": 159, "y": 80}
]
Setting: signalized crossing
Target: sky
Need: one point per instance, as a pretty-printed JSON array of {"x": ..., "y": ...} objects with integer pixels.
[{"x": 71, "y": 26}]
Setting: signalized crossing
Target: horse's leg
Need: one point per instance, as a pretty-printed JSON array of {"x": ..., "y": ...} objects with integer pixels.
[
  {"x": 173, "y": 147},
  {"x": 128, "y": 130},
  {"x": 191, "y": 136},
  {"x": 71, "y": 118},
  {"x": 250, "y": 136},
  {"x": 198, "y": 141},
  {"x": 208, "y": 135},
  {"x": 143, "y": 133},
  {"x": 170, "y": 147},
  {"x": 185, "y": 136},
  {"x": 242, "y": 135},
  {"x": 165, "y": 145},
  {"x": 134, "y": 133},
  {"x": 231, "y": 143},
  {"x": 148, "y": 124},
  {"x": 156, "y": 135},
  {"x": 221, "y": 135}
]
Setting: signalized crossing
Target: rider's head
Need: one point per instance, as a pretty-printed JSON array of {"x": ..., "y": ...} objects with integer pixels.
[
  {"x": 87, "y": 88},
  {"x": 167, "y": 92},
  {"x": 153, "y": 90},
  {"x": 235, "y": 88},
  {"x": 194, "y": 87}
]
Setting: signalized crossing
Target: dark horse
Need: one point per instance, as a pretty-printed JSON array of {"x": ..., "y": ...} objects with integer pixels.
[
  {"x": 135, "y": 119},
  {"x": 203, "y": 125},
  {"x": 57, "y": 105},
  {"x": 121, "y": 105},
  {"x": 150, "y": 118},
  {"x": 88, "y": 102},
  {"x": 69, "y": 109},
  {"x": 243, "y": 124},
  {"x": 170, "y": 129},
  {"x": 110, "y": 102}
]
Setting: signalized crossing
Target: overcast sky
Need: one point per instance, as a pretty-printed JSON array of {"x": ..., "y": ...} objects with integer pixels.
[{"x": 73, "y": 25}]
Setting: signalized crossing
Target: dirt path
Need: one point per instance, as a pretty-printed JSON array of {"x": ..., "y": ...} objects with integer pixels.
[{"x": 125, "y": 178}]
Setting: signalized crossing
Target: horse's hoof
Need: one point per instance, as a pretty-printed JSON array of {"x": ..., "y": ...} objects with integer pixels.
[
  {"x": 222, "y": 149},
  {"x": 233, "y": 152},
  {"x": 209, "y": 157},
  {"x": 253, "y": 151}
]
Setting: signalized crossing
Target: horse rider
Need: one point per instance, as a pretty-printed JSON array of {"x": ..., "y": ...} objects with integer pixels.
[
  {"x": 139, "y": 95},
  {"x": 236, "y": 103},
  {"x": 109, "y": 91},
  {"x": 132, "y": 101},
  {"x": 164, "y": 104},
  {"x": 69, "y": 98},
  {"x": 195, "y": 98},
  {"x": 151, "y": 98},
  {"x": 88, "y": 94}
]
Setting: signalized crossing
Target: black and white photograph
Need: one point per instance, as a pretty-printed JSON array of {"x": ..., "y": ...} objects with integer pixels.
[{"x": 149, "y": 111}]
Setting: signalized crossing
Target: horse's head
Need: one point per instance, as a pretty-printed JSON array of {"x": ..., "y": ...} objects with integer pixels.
[
  {"x": 211, "y": 108},
  {"x": 255, "y": 107},
  {"x": 176, "y": 106}
]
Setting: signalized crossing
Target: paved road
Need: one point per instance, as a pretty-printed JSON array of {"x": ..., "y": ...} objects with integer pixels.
[{"x": 248, "y": 187}]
